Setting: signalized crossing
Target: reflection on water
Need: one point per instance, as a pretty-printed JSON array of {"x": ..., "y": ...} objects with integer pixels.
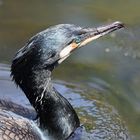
[
  {"x": 102, "y": 79},
  {"x": 101, "y": 119}
]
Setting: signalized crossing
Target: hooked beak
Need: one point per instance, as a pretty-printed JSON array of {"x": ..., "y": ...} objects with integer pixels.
[
  {"x": 87, "y": 35},
  {"x": 94, "y": 33}
]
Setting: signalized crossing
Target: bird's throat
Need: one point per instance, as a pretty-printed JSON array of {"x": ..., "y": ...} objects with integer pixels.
[{"x": 56, "y": 115}]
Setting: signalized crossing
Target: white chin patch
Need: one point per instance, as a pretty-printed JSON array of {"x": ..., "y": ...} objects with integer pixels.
[
  {"x": 62, "y": 59},
  {"x": 65, "y": 53}
]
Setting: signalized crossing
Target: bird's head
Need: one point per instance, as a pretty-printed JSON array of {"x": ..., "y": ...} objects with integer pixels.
[
  {"x": 53, "y": 45},
  {"x": 72, "y": 37},
  {"x": 61, "y": 40}
]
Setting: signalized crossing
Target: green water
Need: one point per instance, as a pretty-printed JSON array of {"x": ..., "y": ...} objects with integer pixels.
[{"x": 106, "y": 73}]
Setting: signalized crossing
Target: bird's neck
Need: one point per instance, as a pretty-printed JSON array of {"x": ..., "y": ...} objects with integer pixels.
[{"x": 55, "y": 113}]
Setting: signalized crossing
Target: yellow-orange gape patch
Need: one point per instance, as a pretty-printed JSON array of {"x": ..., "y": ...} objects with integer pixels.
[{"x": 74, "y": 45}]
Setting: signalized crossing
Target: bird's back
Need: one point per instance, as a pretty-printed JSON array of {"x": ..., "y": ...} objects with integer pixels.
[
  {"x": 13, "y": 126},
  {"x": 28, "y": 113}
]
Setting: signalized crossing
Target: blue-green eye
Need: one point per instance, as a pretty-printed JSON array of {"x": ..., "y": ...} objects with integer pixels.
[{"x": 77, "y": 40}]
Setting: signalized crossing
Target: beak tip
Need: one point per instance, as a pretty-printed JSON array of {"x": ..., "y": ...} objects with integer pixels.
[{"x": 119, "y": 24}]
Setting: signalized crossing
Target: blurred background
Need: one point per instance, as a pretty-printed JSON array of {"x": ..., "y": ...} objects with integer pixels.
[{"x": 101, "y": 80}]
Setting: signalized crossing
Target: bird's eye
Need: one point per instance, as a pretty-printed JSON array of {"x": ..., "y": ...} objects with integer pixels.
[{"x": 77, "y": 40}]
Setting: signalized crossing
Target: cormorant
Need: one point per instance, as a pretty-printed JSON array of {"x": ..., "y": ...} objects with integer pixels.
[{"x": 31, "y": 70}]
